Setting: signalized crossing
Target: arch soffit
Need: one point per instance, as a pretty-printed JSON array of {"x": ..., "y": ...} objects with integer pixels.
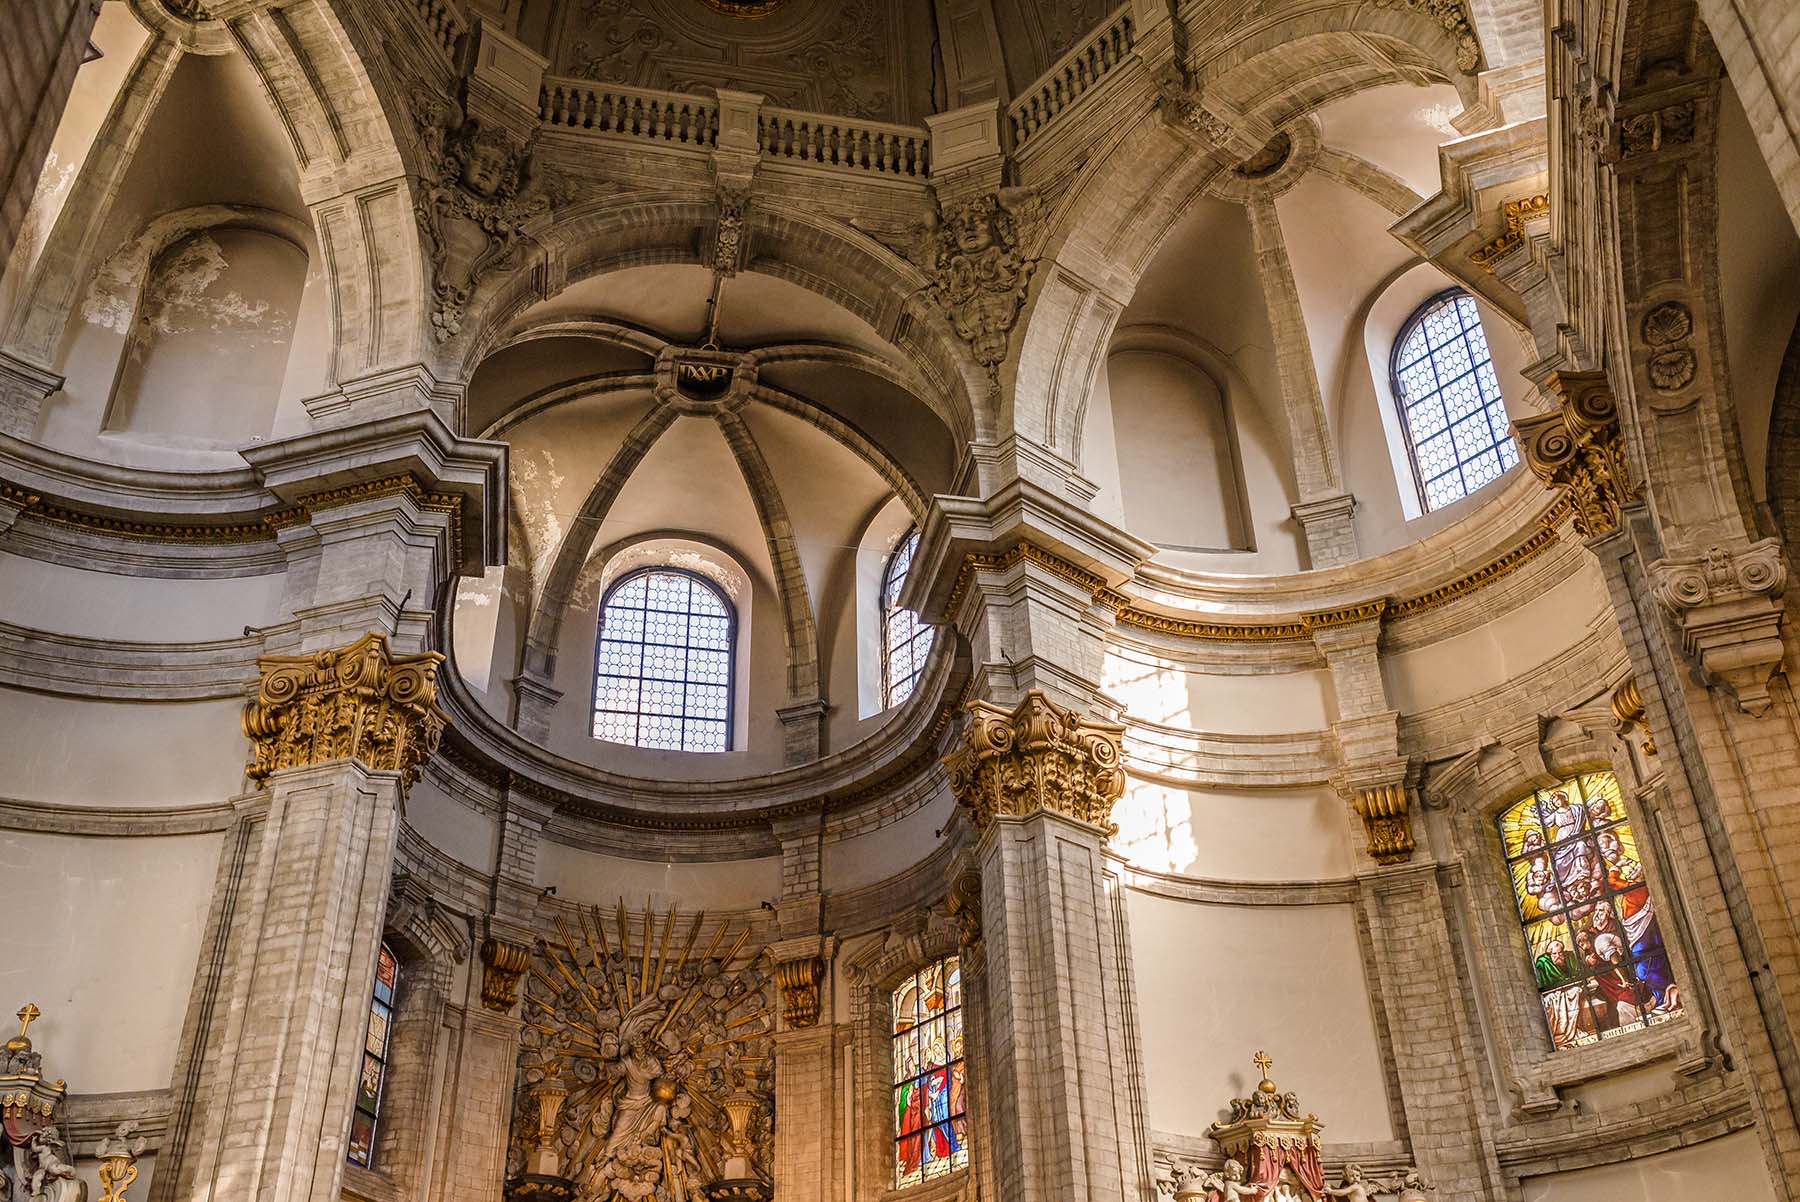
[
  {"x": 844, "y": 266},
  {"x": 1095, "y": 249}
]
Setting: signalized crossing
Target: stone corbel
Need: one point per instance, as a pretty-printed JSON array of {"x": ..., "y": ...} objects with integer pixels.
[
  {"x": 24, "y": 387},
  {"x": 799, "y": 974},
  {"x": 1629, "y": 714},
  {"x": 503, "y": 964},
  {"x": 1380, "y": 796},
  {"x": 963, "y": 905},
  {"x": 1727, "y": 604}
]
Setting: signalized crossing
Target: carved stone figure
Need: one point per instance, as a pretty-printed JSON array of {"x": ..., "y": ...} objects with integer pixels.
[
  {"x": 51, "y": 1177},
  {"x": 1351, "y": 1187},
  {"x": 973, "y": 253},
  {"x": 481, "y": 199},
  {"x": 1229, "y": 1186}
]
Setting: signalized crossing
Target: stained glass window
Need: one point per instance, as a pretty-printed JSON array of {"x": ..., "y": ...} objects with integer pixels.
[
  {"x": 905, "y": 641},
  {"x": 374, "y": 1059},
  {"x": 663, "y": 668},
  {"x": 931, "y": 1124},
  {"x": 1456, "y": 425},
  {"x": 1591, "y": 929}
]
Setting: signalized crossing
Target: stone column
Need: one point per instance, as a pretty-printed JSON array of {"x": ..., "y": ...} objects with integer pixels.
[
  {"x": 806, "y": 1080},
  {"x": 1038, "y": 783}
]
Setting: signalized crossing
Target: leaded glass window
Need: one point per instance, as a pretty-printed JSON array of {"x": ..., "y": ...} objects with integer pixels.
[
  {"x": 905, "y": 641},
  {"x": 931, "y": 1124},
  {"x": 376, "y": 1040},
  {"x": 1591, "y": 927},
  {"x": 1457, "y": 433},
  {"x": 663, "y": 671}
]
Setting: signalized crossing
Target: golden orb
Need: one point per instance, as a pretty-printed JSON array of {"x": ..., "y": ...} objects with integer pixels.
[{"x": 664, "y": 1089}]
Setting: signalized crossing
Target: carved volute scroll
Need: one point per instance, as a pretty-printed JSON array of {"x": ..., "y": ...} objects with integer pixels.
[
  {"x": 1578, "y": 449},
  {"x": 356, "y": 702},
  {"x": 1038, "y": 756},
  {"x": 502, "y": 964}
]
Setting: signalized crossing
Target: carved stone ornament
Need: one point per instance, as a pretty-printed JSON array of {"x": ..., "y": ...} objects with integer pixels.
[
  {"x": 1038, "y": 756},
  {"x": 1454, "y": 20},
  {"x": 479, "y": 200},
  {"x": 728, "y": 244},
  {"x": 1274, "y": 1146},
  {"x": 1578, "y": 449},
  {"x": 963, "y": 903},
  {"x": 118, "y": 1156},
  {"x": 973, "y": 255},
  {"x": 1727, "y": 604},
  {"x": 656, "y": 1035},
  {"x": 502, "y": 964},
  {"x": 798, "y": 981},
  {"x": 1181, "y": 106},
  {"x": 1386, "y": 823},
  {"x": 1645, "y": 133},
  {"x": 355, "y": 702}
]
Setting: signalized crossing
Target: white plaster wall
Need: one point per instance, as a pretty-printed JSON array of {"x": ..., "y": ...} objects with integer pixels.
[
  {"x": 887, "y": 852},
  {"x": 1397, "y": 127},
  {"x": 1158, "y": 691},
  {"x": 455, "y": 828},
  {"x": 594, "y": 879},
  {"x": 1728, "y": 1170},
  {"x": 150, "y": 609},
  {"x": 1510, "y": 646},
  {"x": 120, "y": 753},
  {"x": 1177, "y": 467},
  {"x": 1217, "y": 982},
  {"x": 105, "y": 941},
  {"x": 1248, "y": 835}
]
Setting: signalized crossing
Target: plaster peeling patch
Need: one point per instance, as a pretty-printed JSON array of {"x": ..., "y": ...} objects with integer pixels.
[
  {"x": 535, "y": 485},
  {"x": 35, "y": 231},
  {"x": 1438, "y": 117},
  {"x": 178, "y": 301}
]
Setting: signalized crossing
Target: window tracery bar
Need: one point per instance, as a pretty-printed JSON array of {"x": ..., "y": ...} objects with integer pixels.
[
  {"x": 1457, "y": 431},
  {"x": 1591, "y": 928},
  {"x": 372, "y": 1079},
  {"x": 663, "y": 664},
  {"x": 931, "y": 1125},
  {"x": 905, "y": 641}
]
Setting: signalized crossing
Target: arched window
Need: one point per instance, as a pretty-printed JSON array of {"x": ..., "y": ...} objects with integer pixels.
[
  {"x": 905, "y": 641},
  {"x": 931, "y": 1125},
  {"x": 1591, "y": 928},
  {"x": 1456, "y": 425},
  {"x": 663, "y": 668},
  {"x": 374, "y": 1059}
]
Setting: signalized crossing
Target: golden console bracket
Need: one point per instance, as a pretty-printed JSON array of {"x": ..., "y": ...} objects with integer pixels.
[
  {"x": 798, "y": 981},
  {"x": 1038, "y": 756},
  {"x": 1386, "y": 822},
  {"x": 1578, "y": 450},
  {"x": 1629, "y": 712},
  {"x": 356, "y": 702},
  {"x": 963, "y": 903},
  {"x": 502, "y": 965}
]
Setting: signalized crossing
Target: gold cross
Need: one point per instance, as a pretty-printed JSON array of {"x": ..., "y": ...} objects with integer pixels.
[
  {"x": 26, "y": 1014},
  {"x": 1263, "y": 1064}
]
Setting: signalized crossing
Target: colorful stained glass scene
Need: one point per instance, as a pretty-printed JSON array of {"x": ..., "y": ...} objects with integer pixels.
[
  {"x": 1591, "y": 929},
  {"x": 931, "y": 1125},
  {"x": 374, "y": 1061}
]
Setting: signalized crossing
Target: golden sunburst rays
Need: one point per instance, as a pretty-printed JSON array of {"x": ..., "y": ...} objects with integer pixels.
[{"x": 610, "y": 981}]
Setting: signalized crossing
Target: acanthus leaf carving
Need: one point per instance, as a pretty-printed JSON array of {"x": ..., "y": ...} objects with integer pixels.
[
  {"x": 1579, "y": 450},
  {"x": 1037, "y": 756}
]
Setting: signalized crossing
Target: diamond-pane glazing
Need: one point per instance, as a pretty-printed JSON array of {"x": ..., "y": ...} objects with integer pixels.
[
  {"x": 1456, "y": 423},
  {"x": 663, "y": 665}
]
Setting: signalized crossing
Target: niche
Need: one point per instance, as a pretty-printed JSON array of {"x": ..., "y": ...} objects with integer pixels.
[
  {"x": 209, "y": 343},
  {"x": 1180, "y": 482}
]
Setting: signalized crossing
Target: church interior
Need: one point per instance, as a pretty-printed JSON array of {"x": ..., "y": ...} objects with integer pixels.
[{"x": 900, "y": 600}]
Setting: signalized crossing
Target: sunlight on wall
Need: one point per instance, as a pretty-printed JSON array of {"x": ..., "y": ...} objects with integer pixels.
[{"x": 1155, "y": 827}]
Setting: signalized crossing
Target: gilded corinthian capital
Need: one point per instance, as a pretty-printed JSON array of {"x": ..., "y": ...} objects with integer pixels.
[
  {"x": 355, "y": 702},
  {"x": 1037, "y": 756},
  {"x": 1578, "y": 449}
]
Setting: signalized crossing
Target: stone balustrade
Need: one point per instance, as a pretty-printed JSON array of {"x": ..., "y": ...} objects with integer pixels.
[{"x": 1072, "y": 76}]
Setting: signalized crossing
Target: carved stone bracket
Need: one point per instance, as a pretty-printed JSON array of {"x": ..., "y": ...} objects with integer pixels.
[
  {"x": 356, "y": 702},
  {"x": 1038, "y": 756},
  {"x": 1454, "y": 19},
  {"x": 798, "y": 981},
  {"x": 973, "y": 254},
  {"x": 1727, "y": 604},
  {"x": 963, "y": 903},
  {"x": 502, "y": 964},
  {"x": 1578, "y": 449}
]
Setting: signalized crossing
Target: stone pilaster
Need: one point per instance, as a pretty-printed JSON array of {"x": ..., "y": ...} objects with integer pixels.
[
  {"x": 806, "y": 1081},
  {"x": 479, "y": 1076},
  {"x": 1038, "y": 784}
]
